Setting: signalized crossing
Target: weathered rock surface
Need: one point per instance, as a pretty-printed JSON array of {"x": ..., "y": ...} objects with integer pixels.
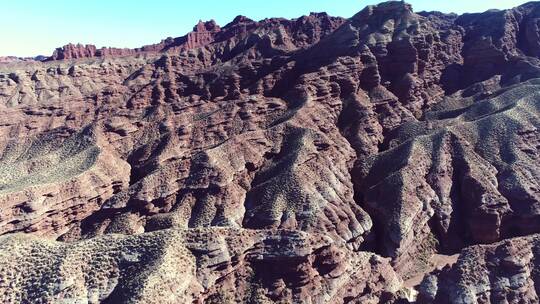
[
  {"x": 505, "y": 272},
  {"x": 316, "y": 160},
  {"x": 303, "y": 32},
  {"x": 219, "y": 265},
  {"x": 463, "y": 176}
]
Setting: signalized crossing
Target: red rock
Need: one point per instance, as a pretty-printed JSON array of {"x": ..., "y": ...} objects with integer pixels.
[
  {"x": 72, "y": 51},
  {"x": 502, "y": 272},
  {"x": 262, "y": 160}
]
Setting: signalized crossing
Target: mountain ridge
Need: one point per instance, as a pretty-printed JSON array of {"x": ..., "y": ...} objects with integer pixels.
[{"x": 319, "y": 159}]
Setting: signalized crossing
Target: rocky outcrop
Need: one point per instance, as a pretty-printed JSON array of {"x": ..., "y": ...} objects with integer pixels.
[
  {"x": 203, "y": 33},
  {"x": 43, "y": 84},
  {"x": 316, "y": 158},
  {"x": 74, "y": 51},
  {"x": 304, "y": 32},
  {"x": 505, "y": 272},
  {"x": 200, "y": 266},
  {"x": 49, "y": 183},
  {"x": 453, "y": 176},
  {"x": 77, "y": 51}
]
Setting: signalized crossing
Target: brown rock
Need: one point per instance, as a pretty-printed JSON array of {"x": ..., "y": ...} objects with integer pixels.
[
  {"x": 505, "y": 272},
  {"x": 263, "y": 160},
  {"x": 196, "y": 265}
]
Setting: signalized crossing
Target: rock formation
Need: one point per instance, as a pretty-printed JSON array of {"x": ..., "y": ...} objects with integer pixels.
[
  {"x": 11, "y": 59},
  {"x": 505, "y": 272},
  {"x": 392, "y": 157},
  {"x": 305, "y": 30}
]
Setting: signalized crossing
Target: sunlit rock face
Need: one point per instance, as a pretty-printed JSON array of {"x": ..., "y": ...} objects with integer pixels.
[{"x": 387, "y": 158}]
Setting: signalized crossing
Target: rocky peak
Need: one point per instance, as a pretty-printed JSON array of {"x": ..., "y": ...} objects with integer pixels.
[
  {"x": 240, "y": 19},
  {"x": 206, "y": 26},
  {"x": 389, "y": 8},
  {"x": 378, "y": 15},
  {"x": 77, "y": 51},
  {"x": 439, "y": 20},
  {"x": 203, "y": 34},
  {"x": 74, "y": 51},
  {"x": 321, "y": 14}
]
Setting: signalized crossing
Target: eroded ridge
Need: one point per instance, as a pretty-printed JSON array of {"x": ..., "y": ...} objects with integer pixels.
[{"x": 379, "y": 159}]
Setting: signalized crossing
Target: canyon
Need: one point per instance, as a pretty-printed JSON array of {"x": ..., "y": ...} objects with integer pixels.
[{"x": 392, "y": 157}]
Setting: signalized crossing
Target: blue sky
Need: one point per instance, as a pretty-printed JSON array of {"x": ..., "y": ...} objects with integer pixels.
[{"x": 32, "y": 27}]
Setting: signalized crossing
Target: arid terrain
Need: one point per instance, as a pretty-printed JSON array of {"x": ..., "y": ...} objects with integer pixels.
[{"x": 392, "y": 157}]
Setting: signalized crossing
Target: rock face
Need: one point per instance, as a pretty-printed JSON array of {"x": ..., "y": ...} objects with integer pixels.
[
  {"x": 211, "y": 266},
  {"x": 203, "y": 33},
  {"x": 317, "y": 160},
  {"x": 505, "y": 272},
  {"x": 305, "y": 30}
]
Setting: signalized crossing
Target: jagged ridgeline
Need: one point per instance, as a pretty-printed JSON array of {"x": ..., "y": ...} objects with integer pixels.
[{"x": 392, "y": 157}]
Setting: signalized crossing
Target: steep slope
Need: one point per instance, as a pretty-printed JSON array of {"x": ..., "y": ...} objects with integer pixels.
[
  {"x": 210, "y": 265},
  {"x": 505, "y": 272},
  {"x": 315, "y": 160}
]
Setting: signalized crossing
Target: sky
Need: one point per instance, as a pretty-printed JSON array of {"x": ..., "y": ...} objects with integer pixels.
[{"x": 37, "y": 27}]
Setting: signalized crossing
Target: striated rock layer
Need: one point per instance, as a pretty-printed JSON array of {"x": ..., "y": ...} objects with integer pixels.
[{"x": 387, "y": 158}]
